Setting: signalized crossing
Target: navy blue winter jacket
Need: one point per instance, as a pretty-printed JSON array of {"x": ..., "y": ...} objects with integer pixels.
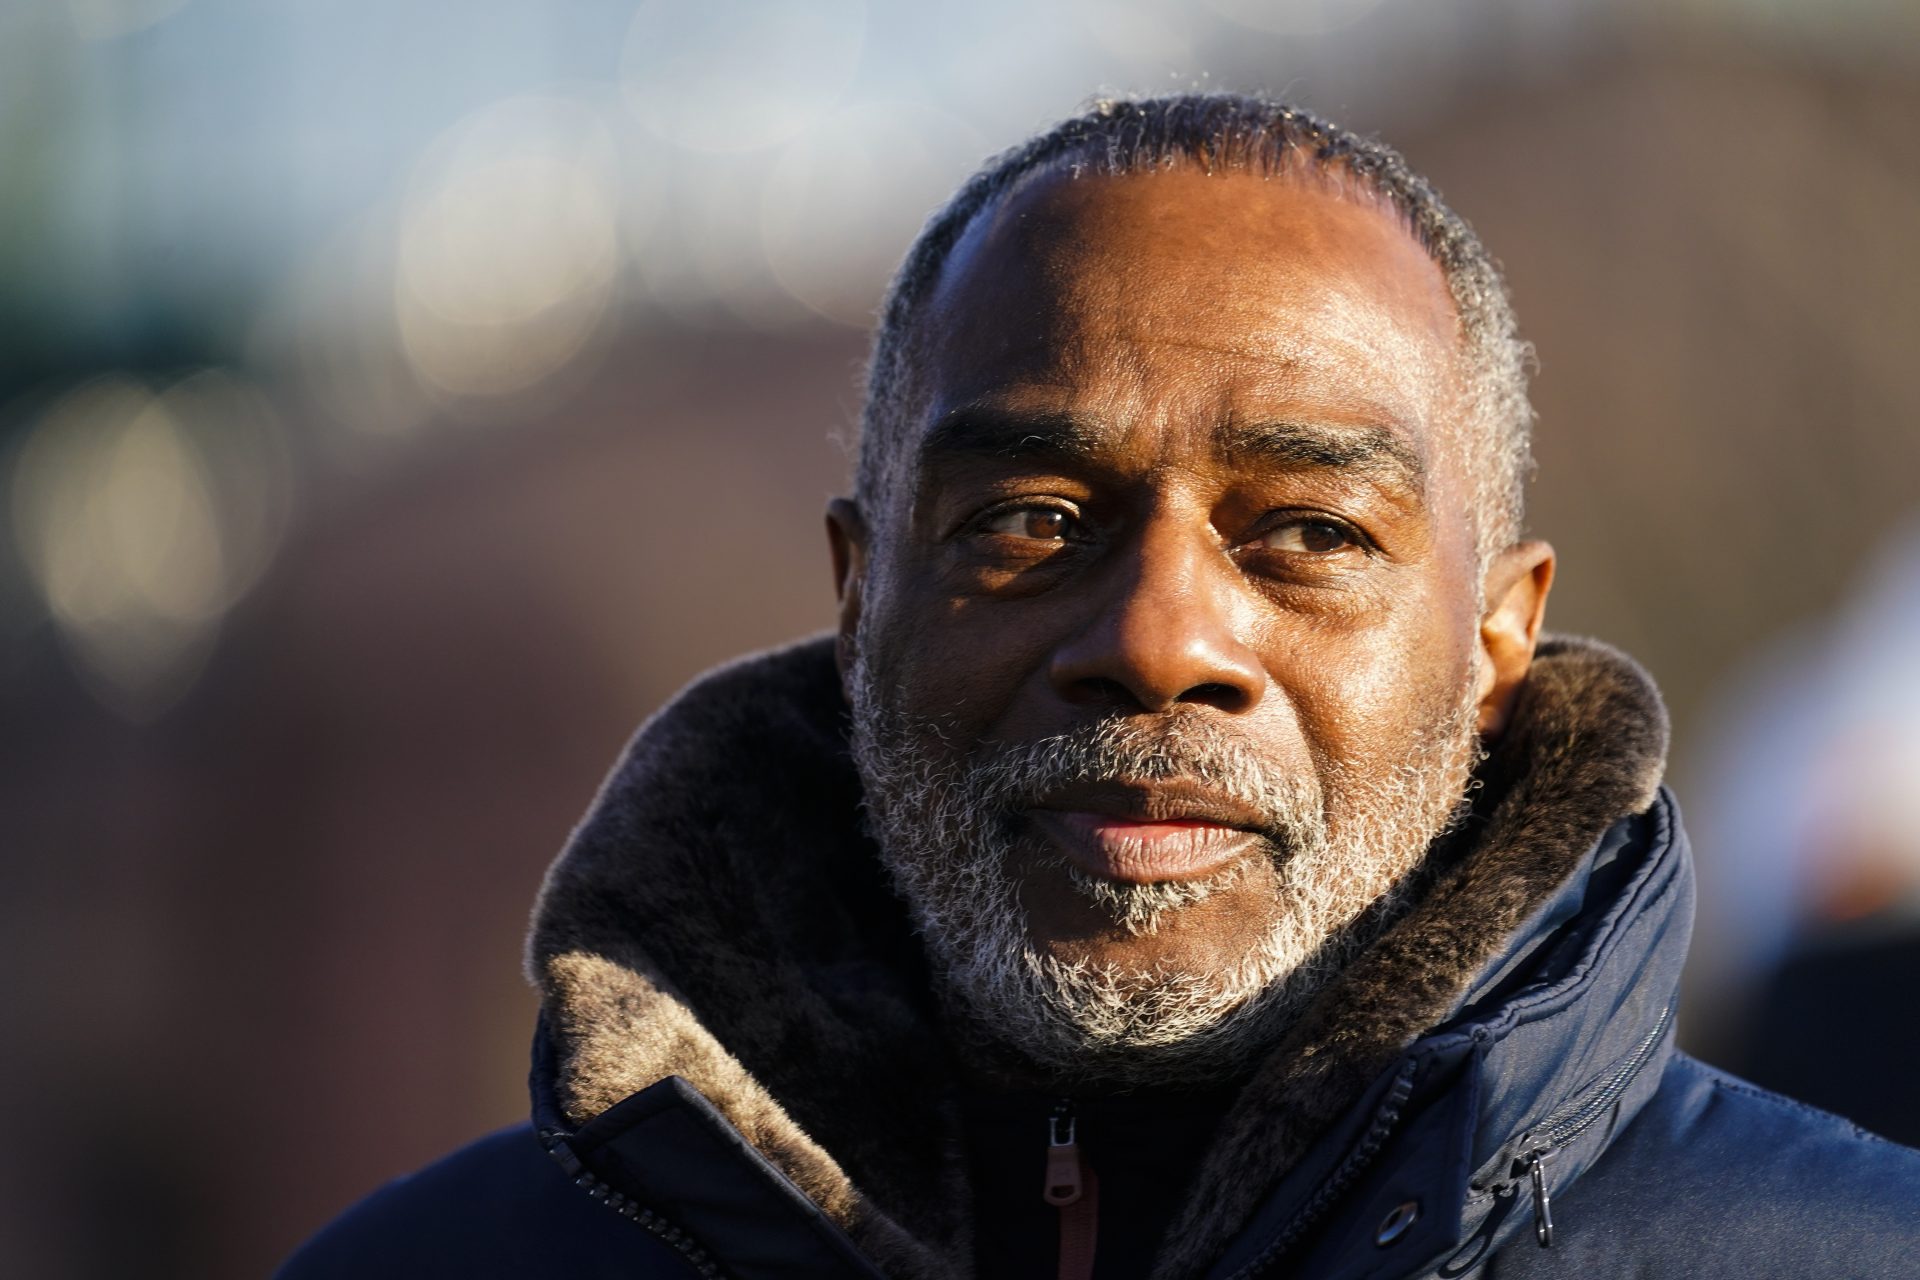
[{"x": 738, "y": 1071}]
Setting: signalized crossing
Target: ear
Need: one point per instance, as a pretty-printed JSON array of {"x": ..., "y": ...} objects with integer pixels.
[
  {"x": 847, "y": 541},
  {"x": 1516, "y": 586}
]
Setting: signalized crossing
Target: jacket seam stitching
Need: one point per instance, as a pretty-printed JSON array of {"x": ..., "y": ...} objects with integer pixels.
[{"x": 1730, "y": 1085}]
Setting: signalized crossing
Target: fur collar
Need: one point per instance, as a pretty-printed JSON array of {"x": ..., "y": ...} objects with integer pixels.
[{"x": 719, "y": 916}]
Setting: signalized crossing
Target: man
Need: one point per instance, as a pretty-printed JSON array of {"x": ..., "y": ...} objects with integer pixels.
[{"x": 1185, "y": 859}]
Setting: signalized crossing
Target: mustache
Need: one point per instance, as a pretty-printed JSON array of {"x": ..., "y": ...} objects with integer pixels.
[{"x": 1191, "y": 751}]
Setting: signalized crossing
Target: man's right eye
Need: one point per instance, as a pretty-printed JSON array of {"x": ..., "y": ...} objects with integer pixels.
[{"x": 1040, "y": 524}]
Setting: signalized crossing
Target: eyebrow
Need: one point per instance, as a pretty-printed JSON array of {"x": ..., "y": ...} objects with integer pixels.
[
  {"x": 984, "y": 432},
  {"x": 1372, "y": 450},
  {"x": 976, "y": 432}
]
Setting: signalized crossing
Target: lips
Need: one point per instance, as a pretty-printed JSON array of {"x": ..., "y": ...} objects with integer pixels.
[{"x": 1147, "y": 833}]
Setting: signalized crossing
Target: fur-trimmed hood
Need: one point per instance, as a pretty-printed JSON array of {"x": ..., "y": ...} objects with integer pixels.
[{"x": 720, "y": 917}]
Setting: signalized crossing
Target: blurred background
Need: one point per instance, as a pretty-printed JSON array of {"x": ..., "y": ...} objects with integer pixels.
[{"x": 398, "y": 402}]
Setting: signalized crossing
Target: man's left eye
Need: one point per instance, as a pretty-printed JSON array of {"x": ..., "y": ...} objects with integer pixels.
[{"x": 1309, "y": 537}]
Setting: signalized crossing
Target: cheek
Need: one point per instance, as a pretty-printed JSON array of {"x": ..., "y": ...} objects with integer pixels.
[
  {"x": 1368, "y": 692},
  {"x": 964, "y": 662}
]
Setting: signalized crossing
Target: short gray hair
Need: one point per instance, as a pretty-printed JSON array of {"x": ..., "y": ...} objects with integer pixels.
[{"x": 1227, "y": 132}]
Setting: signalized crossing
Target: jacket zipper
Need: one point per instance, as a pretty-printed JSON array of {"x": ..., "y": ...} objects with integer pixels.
[
  {"x": 1072, "y": 1189},
  {"x": 1556, "y": 1131},
  {"x": 1344, "y": 1175},
  {"x": 685, "y": 1245}
]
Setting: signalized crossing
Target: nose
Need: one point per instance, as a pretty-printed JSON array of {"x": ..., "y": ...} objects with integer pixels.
[{"x": 1164, "y": 632}]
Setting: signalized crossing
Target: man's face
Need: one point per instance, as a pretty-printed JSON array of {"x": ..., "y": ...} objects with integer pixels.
[{"x": 1168, "y": 667}]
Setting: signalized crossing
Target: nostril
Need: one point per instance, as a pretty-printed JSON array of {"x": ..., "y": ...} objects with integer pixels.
[
  {"x": 1102, "y": 691},
  {"x": 1223, "y": 696},
  {"x": 1105, "y": 692}
]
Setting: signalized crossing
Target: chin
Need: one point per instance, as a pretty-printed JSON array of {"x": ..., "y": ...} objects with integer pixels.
[{"x": 1189, "y": 927}]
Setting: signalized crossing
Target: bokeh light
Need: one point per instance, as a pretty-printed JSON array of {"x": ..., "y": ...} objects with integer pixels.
[
  {"x": 509, "y": 247},
  {"x": 705, "y": 263},
  {"x": 142, "y": 518},
  {"x": 247, "y": 461},
  {"x": 880, "y": 167}
]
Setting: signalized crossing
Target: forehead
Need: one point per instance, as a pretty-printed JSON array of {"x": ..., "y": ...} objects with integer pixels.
[{"x": 1179, "y": 296}]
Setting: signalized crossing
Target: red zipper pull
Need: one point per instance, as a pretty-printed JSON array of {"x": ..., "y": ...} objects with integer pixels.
[
  {"x": 1064, "y": 1183},
  {"x": 1075, "y": 1192}
]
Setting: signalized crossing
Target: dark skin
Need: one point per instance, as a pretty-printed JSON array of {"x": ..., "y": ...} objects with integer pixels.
[{"x": 1183, "y": 449}]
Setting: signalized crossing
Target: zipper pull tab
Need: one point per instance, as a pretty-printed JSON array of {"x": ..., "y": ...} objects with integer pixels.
[
  {"x": 1542, "y": 1201},
  {"x": 1064, "y": 1183}
]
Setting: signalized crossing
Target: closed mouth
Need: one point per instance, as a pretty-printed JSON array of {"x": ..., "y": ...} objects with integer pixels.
[{"x": 1147, "y": 833}]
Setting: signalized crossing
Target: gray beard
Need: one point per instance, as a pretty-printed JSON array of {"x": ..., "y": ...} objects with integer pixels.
[{"x": 1342, "y": 847}]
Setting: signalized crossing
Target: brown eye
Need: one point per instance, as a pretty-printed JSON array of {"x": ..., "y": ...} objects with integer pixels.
[
  {"x": 1310, "y": 537},
  {"x": 1042, "y": 524}
]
